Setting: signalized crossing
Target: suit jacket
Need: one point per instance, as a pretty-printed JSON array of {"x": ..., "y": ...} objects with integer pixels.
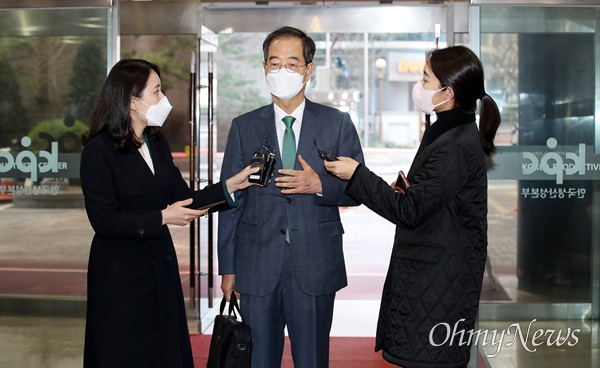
[
  {"x": 135, "y": 311},
  {"x": 440, "y": 246},
  {"x": 252, "y": 235}
]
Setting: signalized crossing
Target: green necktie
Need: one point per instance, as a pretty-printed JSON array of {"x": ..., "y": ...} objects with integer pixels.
[{"x": 288, "y": 153}]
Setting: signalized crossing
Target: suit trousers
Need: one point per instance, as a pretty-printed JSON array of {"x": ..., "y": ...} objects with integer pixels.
[{"x": 308, "y": 319}]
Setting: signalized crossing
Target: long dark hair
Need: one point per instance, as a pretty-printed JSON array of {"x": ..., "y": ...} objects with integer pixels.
[
  {"x": 127, "y": 79},
  {"x": 288, "y": 32},
  {"x": 459, "y": 68}
]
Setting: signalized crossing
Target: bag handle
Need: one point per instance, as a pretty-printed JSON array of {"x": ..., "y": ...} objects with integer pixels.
[
  {"x": 222, "y": 308},
  {"x": 233, "y": 305}
]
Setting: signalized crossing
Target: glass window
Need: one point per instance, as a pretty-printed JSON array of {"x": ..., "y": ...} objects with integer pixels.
[
  {"x": 349, "y": 75},
  {"x": 542, "y": 74},
  {"x": 52, "y": 66},
  {"x": 377, "y": 96}
]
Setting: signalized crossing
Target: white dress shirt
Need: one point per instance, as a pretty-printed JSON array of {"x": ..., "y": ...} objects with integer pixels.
[{"x": 146, "y": 155}]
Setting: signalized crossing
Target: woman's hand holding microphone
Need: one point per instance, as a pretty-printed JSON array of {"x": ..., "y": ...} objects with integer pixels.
[{"x": 343, "y": 168}]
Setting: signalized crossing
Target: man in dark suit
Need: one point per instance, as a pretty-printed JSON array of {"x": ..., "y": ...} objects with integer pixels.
[{"x": 281, "y": 248}]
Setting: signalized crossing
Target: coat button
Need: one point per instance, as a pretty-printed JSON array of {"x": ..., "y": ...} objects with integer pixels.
[
  {"x": 141, "y": 231},
  {"x": 282, "y": 231},
  {"x": 169, "y": 258},
  {"x": 288, "y": 199}
]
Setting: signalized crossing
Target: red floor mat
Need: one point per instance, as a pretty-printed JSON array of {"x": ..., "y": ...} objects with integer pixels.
[{"x": 345, "y": 352}]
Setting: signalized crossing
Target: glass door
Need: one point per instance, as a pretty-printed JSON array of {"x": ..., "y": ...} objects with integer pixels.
[
  {"x": 364, "y": 68},
  {"x": 204, "y": 173},
  {"x": 543, "y": 69},
  {"x": 53, "y": 63}
]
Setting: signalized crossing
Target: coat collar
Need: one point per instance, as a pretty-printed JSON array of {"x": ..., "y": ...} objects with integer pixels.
[
  {"x": 446, "y": 121},
  {"x": 139, "y": 169},
  {"x": 311, "y": 127}
]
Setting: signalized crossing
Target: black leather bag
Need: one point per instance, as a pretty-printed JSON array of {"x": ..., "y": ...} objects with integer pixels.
[{"x": 231, "y": 342}]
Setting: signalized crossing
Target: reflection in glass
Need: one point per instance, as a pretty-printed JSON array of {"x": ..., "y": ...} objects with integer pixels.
[
  {"x": 51, "y": 75},
  {"x": 544, "y": 85}
]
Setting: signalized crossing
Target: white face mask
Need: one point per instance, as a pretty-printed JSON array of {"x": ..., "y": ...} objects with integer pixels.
[
  {"x": 423, "y": 98},
  {"x": 284, "y": 84},
  {"x": 157, "y": 114}
]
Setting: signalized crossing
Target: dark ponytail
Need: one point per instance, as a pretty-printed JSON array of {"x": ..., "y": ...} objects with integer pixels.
[
  {"x": 459, "y": 68},
  {"x": 489, "y": 121}
]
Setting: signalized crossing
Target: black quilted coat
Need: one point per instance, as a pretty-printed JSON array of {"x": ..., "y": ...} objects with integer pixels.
[{"x": 440, "y": 246}]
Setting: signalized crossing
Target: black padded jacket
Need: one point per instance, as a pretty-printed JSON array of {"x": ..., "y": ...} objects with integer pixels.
[{"x": 433, "y": 284}]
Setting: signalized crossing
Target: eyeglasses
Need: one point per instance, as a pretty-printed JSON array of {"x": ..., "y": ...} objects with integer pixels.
[{"x": 290, "y": 67}]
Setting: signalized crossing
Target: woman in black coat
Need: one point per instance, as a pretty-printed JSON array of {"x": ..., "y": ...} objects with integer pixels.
[
  {"x": 135, "y": 308},
  {"x": 432, "y": 288}
]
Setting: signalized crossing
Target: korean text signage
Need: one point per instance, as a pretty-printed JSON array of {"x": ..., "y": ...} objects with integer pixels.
[
  {"x": 552, "y": 162},
  {"x": 38, "y": 165}
]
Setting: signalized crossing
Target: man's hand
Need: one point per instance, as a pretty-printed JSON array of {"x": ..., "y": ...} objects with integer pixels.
[
  {"x": 305, "y": 181},
  {"x": 228, "y": 285}
]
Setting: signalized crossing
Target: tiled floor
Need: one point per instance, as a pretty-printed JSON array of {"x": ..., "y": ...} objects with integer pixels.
[
  {"x": 36, "y": 342},
  {"x": 41, "y": 342},
  {"x": 559, "y": 344}
]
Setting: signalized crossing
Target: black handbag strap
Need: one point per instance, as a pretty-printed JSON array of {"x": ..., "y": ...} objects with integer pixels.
[
  {"x": 233, "y": 305},
  {"x": 222, "y": 308}
]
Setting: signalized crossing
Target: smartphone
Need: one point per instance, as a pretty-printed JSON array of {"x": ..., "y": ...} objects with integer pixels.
[
  {"x": 211, "y": 205},
  {"x": 402, "y": 181}
]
